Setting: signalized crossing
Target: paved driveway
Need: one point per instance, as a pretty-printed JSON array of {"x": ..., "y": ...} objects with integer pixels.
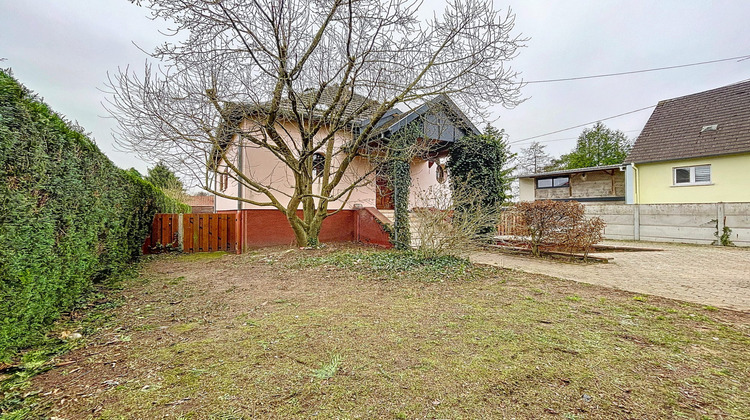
[{"x": 708, "y": 275}]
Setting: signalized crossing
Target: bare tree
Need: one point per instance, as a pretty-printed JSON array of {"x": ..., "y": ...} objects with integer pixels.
[
  {"x": 533, "y": 159},
  {"x": 301, "y": 78}
]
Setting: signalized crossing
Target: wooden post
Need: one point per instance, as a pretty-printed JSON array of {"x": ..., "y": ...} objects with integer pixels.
[{"x": 180, "y": 231}]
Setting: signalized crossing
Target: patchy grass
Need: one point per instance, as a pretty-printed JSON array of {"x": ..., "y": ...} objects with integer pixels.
[
  {"x": 354, "y": 333},
  {"x": 18, "y": 398},
  {"x": 391, "y": 265}
]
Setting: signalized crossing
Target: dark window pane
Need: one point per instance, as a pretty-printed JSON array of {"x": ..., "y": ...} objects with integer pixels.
[{"x": 681, "y": 175}]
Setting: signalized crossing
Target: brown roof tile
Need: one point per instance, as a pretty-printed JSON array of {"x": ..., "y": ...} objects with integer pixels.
[
  {"x": 674, "y": 129},
  {"x": 199, "y": 200}
]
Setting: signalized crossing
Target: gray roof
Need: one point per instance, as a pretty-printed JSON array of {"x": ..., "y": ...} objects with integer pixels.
[
  {"x": 441, "y": 104},
  {"x": 573, "y": 171},
  {"x": 681, "y": 128}
]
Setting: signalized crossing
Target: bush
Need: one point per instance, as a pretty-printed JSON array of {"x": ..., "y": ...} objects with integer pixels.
[
  {"x": 442, "y": 230},
  {"x": 559, "y": 223},
  {"x": 69, "y": 216},
  {"x": 479, "y": 164}
]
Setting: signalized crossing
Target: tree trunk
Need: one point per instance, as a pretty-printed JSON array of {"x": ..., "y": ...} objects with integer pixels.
[{"x": 306, "y": 233}]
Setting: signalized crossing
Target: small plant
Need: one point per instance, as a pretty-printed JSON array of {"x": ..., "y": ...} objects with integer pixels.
[
  {"x": 723, "y": 238},
  {"x": 328, "y": 370}
]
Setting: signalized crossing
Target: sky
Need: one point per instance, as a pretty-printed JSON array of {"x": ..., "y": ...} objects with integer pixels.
[{"x": 63, "y": 50}]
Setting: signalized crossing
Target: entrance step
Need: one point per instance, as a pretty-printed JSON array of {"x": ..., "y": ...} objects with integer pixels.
[
  {"x": 413, "y": 225},
  {"x": 388, "y": 214}
]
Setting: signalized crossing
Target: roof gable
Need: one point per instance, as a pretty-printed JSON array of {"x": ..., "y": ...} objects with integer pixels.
[
  {"x": 441, "y": 118},
  {"x": 679, "y": 128}
]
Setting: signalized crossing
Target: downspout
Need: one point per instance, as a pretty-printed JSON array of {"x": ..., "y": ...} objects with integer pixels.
[
  {"x": 242, "y": 169},
  {"x": 637, "y": 192},
  {"x": 637, "y": 208}
]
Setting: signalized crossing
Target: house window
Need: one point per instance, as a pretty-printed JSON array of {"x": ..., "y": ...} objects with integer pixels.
[
  {"x": 555, "y": 182},
  {"x": 692, "y": 175},
  {"x": 440, "y": 174},
  {"x": 224, "y": 180},
  {"x": 319, "y": 165}
]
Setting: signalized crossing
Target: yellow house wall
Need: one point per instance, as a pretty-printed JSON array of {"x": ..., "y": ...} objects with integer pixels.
[{"x": 729, "y": 181}]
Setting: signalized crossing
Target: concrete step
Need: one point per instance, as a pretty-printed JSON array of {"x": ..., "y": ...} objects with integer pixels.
[{"x": 413, "y": 225}]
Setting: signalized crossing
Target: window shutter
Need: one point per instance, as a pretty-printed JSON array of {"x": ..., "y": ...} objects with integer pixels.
[{"x": 703, "y": 173}]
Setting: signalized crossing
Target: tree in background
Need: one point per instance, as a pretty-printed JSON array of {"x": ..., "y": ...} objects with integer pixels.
[
  {"x": 533, "y": 159},
  {"x": 481, "y": 164},
  {"x": 309, "y": 64},
  {"x": 163, "y": 177},
  {"x": 596, "y": 146}
]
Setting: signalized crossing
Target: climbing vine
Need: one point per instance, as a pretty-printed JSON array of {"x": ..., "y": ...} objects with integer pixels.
[
  {"x": 402, "y": 150},
  {"x": 479, "y": 164}
]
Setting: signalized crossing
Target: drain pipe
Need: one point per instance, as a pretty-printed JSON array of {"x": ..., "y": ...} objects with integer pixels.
[{"x": 239, "y": 182}]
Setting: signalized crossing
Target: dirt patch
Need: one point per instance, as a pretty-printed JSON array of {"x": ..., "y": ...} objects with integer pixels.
[{"x": 276, "y": 333}]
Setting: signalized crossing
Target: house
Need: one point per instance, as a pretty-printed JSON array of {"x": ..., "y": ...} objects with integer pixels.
[
  {"x": 599, "y": 184},
  {"x": 357, "y": 214},
  {"x": 200, "y": 203},
  {"x": 694, "y": 149},
  {"x": 439, "y": 119}
]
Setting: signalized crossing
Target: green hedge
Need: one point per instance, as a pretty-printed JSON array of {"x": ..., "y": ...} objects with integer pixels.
[{"x": 68, "y": 216}]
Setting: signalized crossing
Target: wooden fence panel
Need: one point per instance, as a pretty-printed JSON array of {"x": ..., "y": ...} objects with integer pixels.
[
  {"x": 511, "y": 224},
  {"x": 164, "y": 233},
  {"x": 205, "y": 232}
]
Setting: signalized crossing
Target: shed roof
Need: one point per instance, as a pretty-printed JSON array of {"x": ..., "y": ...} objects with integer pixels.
[
  {"x": 572, "y": 171},
  {"x": 711, "y": 123}
]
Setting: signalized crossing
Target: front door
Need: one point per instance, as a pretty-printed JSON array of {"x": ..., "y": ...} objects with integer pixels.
[{"x": 383, "y": 193}]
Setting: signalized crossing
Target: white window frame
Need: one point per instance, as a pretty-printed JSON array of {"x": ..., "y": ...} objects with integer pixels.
[{"x": 692, "y": 176}]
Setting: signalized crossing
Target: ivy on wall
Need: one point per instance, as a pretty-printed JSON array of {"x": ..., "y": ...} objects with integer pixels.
[
  {"x": 402, "y": 147},
  {"x": 69, "y": 216},
  {"x": 480, "y": 164}
]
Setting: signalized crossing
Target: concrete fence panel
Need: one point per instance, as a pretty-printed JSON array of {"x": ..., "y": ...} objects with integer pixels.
[{"x": 687, "y": 223}]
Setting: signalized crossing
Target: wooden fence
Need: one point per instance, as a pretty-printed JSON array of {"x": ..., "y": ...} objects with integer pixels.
[
  {"x": 511, "y": 225},
  {"x": 194, "y": 233}
]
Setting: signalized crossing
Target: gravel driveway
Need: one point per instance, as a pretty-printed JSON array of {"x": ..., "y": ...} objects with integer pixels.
[{"x": 709, "y": 275}]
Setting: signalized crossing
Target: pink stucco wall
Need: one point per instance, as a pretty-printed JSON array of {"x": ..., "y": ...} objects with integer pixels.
[{"x": 262, "y": 166}]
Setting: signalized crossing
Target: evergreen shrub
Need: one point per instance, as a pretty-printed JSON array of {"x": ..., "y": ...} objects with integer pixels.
[{"x": 68, "y": 216}]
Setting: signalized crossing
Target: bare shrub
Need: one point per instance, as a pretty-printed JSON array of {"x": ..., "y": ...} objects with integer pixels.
[
  {"x": 559, "y": 223},
  {"x": 584, "y": 235},
  {"x": 439, "y": 230}
]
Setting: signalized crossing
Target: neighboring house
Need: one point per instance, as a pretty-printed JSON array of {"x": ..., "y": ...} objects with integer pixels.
[
  {"x": 694, "y": 149},
  {"x": 600, "y": 184},
  {"x": 200, "y": 203},
  {"x": 439, "y": 119}
]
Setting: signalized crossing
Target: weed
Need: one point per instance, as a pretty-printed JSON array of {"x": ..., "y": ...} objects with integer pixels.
[{"x": 328, "y": 370}]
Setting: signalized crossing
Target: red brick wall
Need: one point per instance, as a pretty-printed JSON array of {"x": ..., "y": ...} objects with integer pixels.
[{"x": 262, "y": 227}]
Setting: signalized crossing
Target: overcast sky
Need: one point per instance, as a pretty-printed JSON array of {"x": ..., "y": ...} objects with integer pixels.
[{"x": 63, "y": 50}]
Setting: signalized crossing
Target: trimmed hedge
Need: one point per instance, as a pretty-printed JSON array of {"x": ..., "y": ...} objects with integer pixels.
[{"x": 68, "y": 216}]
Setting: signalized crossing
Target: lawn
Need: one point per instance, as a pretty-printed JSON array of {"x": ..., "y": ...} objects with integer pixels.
[{"x": 350, "y": 332}]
